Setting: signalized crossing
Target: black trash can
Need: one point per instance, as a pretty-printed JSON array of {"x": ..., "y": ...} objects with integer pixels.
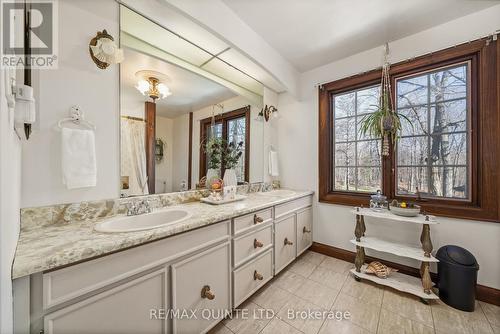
[{"x": 457, "y": 277}]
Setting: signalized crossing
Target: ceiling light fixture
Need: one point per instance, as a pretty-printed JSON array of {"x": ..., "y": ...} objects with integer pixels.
[{"x": 152, "y": 84}]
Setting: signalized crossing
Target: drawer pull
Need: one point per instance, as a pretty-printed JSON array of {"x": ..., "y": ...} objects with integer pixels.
[
  {"x": 206, "y": 293},
  {"x": 288, "y": 242},
  {"x": 257, "y": 219},
  {"x": 257, "y": 276},
  {"x": 305, "y": 230},
  {"x": 257, "y": 243}
]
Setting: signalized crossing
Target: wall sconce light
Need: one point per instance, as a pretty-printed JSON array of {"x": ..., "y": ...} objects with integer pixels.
[
  {"x": 159, "y": 147},
  {"x": 266, "y": 112},
  {"x": 151, "y": 83},
  {"x": 104, "y": 51}
]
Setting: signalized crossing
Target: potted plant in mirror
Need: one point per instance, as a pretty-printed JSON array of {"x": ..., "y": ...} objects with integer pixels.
[
  {"x": 213, "y": 150},
  {"x": 231, "y": 155}
]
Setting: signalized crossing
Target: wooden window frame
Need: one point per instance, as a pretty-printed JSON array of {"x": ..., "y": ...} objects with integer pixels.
[
  {"x": 224, "y": 118},
  {"x": 483, "y": 203}
]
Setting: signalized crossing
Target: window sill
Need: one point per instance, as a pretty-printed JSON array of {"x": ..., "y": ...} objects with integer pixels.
[{"x": 459, "y": 211}]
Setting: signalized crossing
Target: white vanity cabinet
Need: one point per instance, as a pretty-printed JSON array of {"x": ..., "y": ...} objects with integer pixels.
[
  {"x": 153, "y": 288},
  {"x": 293, "y": 230},
  {"x": 134, "y": 291}
]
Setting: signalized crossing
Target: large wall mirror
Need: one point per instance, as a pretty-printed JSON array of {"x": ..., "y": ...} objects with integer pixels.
[{"x": 178, "y": 105}]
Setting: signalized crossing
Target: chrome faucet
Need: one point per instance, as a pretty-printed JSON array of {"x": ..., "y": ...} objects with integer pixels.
[
  {"x": 248, "y": 185},
  {"x": 266, "y": 186},
  {"x": 138, "y": 207}
]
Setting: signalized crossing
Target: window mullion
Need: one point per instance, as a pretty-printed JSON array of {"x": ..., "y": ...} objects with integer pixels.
[
  {"x": 429, "y": 136},
  {"x": 355, "y": 141}
]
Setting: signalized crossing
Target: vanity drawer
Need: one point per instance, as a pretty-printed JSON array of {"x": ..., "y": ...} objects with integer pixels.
[
  {"x": 251, "y": 276},
  {"x": 65, "y": 284},
  {"x": 304, "y": 229},
  {"x": 202, "y": 282},
  {"x": 247, "y": 222},
  {"x": 252, "y": 243},
  {"x": 285, "y": 208},
  {"x": 284, "y": 242}
]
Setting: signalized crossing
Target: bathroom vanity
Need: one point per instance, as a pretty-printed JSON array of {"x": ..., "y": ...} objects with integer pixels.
[{"x": 210, "y": 267}]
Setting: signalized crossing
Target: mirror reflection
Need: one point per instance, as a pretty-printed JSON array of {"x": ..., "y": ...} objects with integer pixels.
[{"x": 180, "y": 129}]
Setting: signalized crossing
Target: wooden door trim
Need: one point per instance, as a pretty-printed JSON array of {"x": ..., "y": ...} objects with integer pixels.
[{"x": 150, "y": 118}]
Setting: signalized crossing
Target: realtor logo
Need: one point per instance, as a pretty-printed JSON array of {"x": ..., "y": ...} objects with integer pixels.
[{"x": 39, "y": 18}]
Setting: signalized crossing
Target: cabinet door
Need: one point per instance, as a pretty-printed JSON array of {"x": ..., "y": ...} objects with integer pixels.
[
  {"x": 304, "y": 230},
  {"x": 201, "y": 283},
  {"x": 127, "y": 308},
  {"x": 284, "y": 242}
]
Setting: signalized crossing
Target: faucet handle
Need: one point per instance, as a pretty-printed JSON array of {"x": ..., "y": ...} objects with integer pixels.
[
  {"x": 147, "y": 205},
  {"x": 131, "y": 208}
]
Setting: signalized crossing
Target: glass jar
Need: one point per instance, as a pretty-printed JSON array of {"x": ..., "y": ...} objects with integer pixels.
[{"x": 378, "y": 202}]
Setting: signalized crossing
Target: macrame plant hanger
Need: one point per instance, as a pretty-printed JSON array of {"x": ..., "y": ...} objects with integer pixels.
[
  {"x": 212, "y": 122},
  {"x": 386, "y": 104}
]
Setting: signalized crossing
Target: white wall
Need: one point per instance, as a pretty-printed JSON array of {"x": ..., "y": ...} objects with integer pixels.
[
  {"x": 298, "y": 131},
  {"x": 10, "y": 195},
  {"x": 270, "y": 134},
  {"x": 163, "y": 169},
  {"x": 180, "y": 151},
  {"x": 77, "y": 81}
]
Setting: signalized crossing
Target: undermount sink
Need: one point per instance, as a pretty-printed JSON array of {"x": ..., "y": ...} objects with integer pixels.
[
  {"x": 278, "y": 192},
  {"x": 145, "y": 221}
]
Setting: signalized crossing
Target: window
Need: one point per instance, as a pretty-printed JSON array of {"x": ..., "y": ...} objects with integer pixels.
[
  {"x": 236, "y": 132},
  {"x": 449, "y": 152},
  {"x": 434, "y": 150},
  {"x": 356, "y": 158},
  {"x": 232, "y": 126}
]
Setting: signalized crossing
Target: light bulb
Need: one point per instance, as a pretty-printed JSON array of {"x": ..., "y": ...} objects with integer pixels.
[
  {"x": 142, "y": 86},
  {"x": 164, "y": 90}
]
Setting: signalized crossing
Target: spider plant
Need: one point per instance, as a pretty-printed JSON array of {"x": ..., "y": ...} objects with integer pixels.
[{"x": 383, "y": 123}]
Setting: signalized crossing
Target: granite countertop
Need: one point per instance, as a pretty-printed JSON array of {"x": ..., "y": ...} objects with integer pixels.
[{"x": 52, "y": 246}]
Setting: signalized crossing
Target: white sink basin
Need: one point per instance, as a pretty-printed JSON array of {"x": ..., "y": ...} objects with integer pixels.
[
  {"x": 278, "y": 193},
  {"x": 145, "y": 221}
]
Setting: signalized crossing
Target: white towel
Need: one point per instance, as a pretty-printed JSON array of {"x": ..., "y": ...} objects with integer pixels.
[
  {"x": 78, "y": 158},
  {"x": 273, "y": 163}
]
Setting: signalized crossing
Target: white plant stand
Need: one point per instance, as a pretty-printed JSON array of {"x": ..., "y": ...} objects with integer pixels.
[{"x": 419, "y": 287}]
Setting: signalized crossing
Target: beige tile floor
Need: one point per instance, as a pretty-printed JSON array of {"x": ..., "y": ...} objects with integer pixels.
[{"x": 320, "y": 283}]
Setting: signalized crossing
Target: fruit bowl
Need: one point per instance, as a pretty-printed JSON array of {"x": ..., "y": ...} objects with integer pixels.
[{"x": 410, "y": 211}]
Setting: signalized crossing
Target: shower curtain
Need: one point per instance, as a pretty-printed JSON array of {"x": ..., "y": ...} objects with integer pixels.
[{"x": 135, "y": 134}]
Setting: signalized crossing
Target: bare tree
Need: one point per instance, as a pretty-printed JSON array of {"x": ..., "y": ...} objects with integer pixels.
[{"x": 439, "y": 94}]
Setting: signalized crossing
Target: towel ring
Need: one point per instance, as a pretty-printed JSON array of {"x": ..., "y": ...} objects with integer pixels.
[{"x": 76, "y": 117}]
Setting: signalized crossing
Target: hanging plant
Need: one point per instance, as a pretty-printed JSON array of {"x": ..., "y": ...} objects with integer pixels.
[
  {"x": 385, "y": 122},
  {"x": 213, "y": 145}
]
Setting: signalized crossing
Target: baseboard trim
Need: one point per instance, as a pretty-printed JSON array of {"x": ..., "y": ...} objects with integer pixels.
[{"x": 483, "y": 293}]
